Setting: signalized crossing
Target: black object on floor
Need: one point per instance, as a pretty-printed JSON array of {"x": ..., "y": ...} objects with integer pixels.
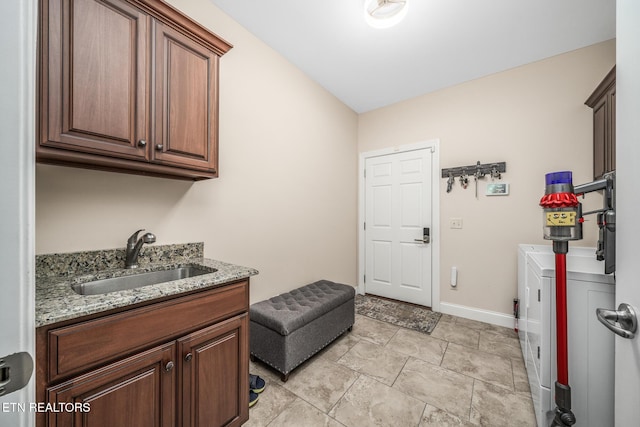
[
  {"x": 253, "y": 398},
  {"x": 256, "y": 383}
]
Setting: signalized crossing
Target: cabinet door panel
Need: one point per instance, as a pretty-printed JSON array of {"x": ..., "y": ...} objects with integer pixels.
[
  {"x": 186, "y": 103},
  {"x": 603, "y": 102},
  {"x": 214, "y": 366},
  {"x": 611, "y": 143},
  {"x": 95, "y": 91},
  {"x": 135, "y": 392},
  {"x": 600, "y": 138}
]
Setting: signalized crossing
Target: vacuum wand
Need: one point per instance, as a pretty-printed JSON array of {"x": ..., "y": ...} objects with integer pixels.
[
  {"x": 562, "y": 219},
  {"x": 564, "y": 416}
]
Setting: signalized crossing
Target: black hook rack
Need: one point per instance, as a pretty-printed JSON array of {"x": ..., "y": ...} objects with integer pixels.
[{"x": 479, "y": 168}]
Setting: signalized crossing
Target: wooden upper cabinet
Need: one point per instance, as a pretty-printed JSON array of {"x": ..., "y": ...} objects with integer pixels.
[
  {"x": 185, "y": 101},
  {"x": 603, "y": 103},
  {"x": 127, "y": 85},
  {"x": 600, "y": 114},
  {"x": 95, "y": 78}
]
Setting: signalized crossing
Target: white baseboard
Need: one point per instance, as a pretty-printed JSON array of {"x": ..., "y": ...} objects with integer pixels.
[{"x": 487, "y": 316}]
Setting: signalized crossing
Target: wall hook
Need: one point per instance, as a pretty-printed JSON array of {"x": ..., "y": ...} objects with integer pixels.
[
  {"x": 479, "y": 170},
  {"x": 494, "y": 172},
  {"x": 450, "y": 182}
]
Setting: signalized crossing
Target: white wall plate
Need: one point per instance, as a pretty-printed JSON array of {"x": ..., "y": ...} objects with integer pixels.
[{"x": 498, "y": 189}]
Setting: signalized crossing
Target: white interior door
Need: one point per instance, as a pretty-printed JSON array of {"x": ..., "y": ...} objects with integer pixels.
[
  {"x": 627, "y": 360},
  {"x": 398, "y": 211},
  {"x": 17, "y": 113}
]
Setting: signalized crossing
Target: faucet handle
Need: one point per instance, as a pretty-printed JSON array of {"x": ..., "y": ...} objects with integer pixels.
[{"x": 134, "y": 237}]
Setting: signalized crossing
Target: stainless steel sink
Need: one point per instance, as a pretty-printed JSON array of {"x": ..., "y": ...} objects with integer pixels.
[{"x": 133, "y": 281}]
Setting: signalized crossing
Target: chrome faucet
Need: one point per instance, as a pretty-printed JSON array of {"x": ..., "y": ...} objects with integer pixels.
[{"x": 133, "y": 248}]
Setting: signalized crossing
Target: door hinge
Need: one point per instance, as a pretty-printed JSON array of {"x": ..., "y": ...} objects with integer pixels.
[
  {"x": 538, "y": 295},
  {"x": 365, "y": 173},
  {"x": 538, "y": 352},
  {"x": 365, "y": 225},
  {"x": 364, "y": 278}
]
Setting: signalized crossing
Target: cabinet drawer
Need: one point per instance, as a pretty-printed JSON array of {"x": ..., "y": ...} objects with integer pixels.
[{"x": 83, "y": 346}]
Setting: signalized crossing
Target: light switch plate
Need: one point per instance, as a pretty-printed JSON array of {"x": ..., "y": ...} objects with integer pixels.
[{"x": 455, "y": 223}]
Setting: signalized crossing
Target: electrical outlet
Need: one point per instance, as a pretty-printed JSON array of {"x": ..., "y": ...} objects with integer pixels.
[{"x": 455, "y": 223}]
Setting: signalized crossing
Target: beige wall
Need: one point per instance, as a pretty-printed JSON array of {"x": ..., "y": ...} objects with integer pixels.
[
  {"x": 285, "y": 202},
  {"x": 531, "y": 117}
]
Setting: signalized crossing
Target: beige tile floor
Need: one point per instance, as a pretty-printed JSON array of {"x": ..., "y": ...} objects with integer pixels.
[{"x": 465, "y": 373}]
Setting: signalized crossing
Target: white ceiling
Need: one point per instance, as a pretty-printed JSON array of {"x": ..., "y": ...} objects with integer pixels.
[{"x": 440, "y": 43}]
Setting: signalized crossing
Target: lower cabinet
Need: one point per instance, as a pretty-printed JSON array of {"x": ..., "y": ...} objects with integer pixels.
[
  {"x": 212, "y": 375},
  {"x": 138, "y": 391},
  {"x": 196, "y": 376}
]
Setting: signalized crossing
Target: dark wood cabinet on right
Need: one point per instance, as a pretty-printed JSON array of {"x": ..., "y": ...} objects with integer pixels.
[{"x": 603, "y": 102}]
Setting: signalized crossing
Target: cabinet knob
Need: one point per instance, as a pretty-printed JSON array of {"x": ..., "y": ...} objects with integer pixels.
[
  {"x": 188, "y": 357},
  {"x": 142, "y": 143},
  {"x": 159, "y": 147},
  {"x": 169, "y": 366}
]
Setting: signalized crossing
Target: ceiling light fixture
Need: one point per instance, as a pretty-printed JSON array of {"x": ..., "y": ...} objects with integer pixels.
[{"x": 384, "y": 13}]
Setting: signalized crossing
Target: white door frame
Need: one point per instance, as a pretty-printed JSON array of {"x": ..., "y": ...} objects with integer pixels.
[
  {"x": 434, "y": 146},
  {"x": 17, "y": 187},
  {"x": 627, "y": 351}
]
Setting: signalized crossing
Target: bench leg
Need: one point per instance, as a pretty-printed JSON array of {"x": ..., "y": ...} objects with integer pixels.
[
  {"x": 284, "y": 377},
  {"x": 252, "y": 358},
  {"x": 350, "y": 328}
]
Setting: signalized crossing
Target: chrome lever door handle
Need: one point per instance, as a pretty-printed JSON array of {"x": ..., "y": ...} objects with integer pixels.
[
  {"x": 15, "y": 372},
  {"x": 425, "y": 240},
  {"x": 625, "y": 316}
]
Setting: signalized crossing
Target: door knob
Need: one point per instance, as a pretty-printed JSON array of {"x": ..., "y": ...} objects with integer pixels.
[
  {"x": 142, "y": 143},
  {"x": 169, "y": 366},
  {"x": 625, "y": 316},
  {"x": 159, "y": 147}
]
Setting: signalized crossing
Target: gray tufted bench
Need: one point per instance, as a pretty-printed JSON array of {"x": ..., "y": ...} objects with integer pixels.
[{"x": 288, "y": 329}]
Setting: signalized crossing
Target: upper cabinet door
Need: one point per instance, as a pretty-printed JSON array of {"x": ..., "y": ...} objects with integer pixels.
[
  {"x": 600, "y": 138},
  {"x": 94, "y": 77},
  {"x": 185, "y": 130},
  {"x": 603, "y": 103}
]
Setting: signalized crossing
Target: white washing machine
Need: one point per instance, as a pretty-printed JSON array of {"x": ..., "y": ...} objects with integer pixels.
[{"x": 590, "y": 346}]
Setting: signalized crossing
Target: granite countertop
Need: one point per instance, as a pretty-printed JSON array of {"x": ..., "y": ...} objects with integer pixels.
[{"x": 55, "y": 273}]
